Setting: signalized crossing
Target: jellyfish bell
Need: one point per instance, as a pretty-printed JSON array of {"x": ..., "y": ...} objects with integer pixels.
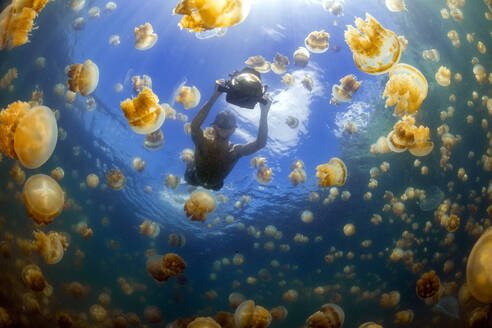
[
  {"x": 395, "y": 5},
  {"x": 301, "y": 57},
  {"x": 248, "y": 315},
  {"x": 43, "y": 198},
  {"x": 144, "y": 114},
  {"x": 189, "y": 97},
  {"x": 317, "y": 41},
  {"x": 203, "y": 322},
  {"x": 145, "y": 38},
  {"x": 83, "y": 78},
  {"x": 199, "y": 205},
  {"x": 478, "y": 268},
  {"x": 259, "y": 64},
  {"x": 154, "y": 140},
  {"x": 332, "y": 174},
  {"x": 330, "y": 315}
]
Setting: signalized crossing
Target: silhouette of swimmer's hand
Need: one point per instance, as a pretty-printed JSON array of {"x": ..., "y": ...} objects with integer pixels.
[
  {"x": 220, "y": 86},
  {"x": 267, "y": 103}
]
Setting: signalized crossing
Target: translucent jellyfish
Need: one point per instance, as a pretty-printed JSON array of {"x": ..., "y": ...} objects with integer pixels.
[
  {"x": 92, "y": 180},
  {"x": 248, "y": 315},
  {"x": 431, "y": 54},
  {"x": 201, "y": 16},
  {"x": 404, "y": 317},
  {"x": 377, "y": 50},
  {"x": 480, "y": 73},
  {"x": 118, "y": 87},
  {"x": 329, "y": 316},
  {"x": 8, "y": 78},
  {"x": 288, "y": 80},
  {"x": 139, "y": 164},
  {"x": 29, "y": 135},
  {"x": 298, "y": 175},
  {"x": 171, "y": 181},
  {"x": 345, "y": 90},
  {"x": 189, "y": 97},
  {"x": 77, "y": 5},
  {"x": 278, "y": 313},
  {"x": 292, "y": 122},
  {"x": 78, "y": 23},
  {"x": 145, "y": 38},
  {"x": 33, "y": 278},
  {"x": 478, "y": 268},
  {"x": 144, "y": 114},
  {"x": 110, "y": 7},
  {"x": 150, "y": 229},
  {"x": 332, "y": 174},
  {"x": 395, "y": 5},
  {"x": 390, "y": 299},
  {"x": 154, "y": 140},
  {"x": 481, "y": 47},
  {"x": 280, "y": 63},
  {"x": 40, "y": 62},
  {"x": 307, "y": 82},
  {"x": 428, "y": 285},
  {"x": 307, "y": 216},
  {"x": 406, "y": 135},
  {"x": 83, "y": 78},
  {"x": 407, "y": 88},
  {"x": 116, "y": 180},
  {"x": 317, "y": 41},
  {"x": 203, "y": 322},
  {"x": 43, "y": 198},
  {"x": 235, "y": 299},
  {"x": 187, "y": 156},
  {"x": 140, "y": 83},
  {"x": 94, "y": 12},
  {"x": 98, "y": 313},
  {"x": 349, "y": 229},
  {"x": 301, "y": 57},
  {"x": 258, "y": 162},
  {"x": 443, "y": 76},
  {"x": 264, "y": 175},
  {"x": 199, "y": 205},
  {"x": 51, "y": 246},
  {"x": 259, "y": 64}
]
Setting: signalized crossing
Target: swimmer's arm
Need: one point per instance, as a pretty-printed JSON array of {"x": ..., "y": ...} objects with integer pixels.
[
  {"x": 196, "y": 130},
  {"x": 260, "y": 142}
]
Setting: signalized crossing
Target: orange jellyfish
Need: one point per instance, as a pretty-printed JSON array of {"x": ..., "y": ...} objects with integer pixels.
[
  {"x": 51, "y": 246},
  {"x": 249, "y": 315},
  {"x": 478, "y": 268},
  {"x": 407, "y": 88},
  {"x": 116, "y": 180},
  {"x": 377, "y": 50},
  {"x": 145, "y": 38},
  {"x": 33, "y": 278},
  {"x": 317, "y": 41},
  {"x": 329, "y": 316},
  {"x": 200, "y": 16},
  {"x": 199, "y": 205},
  {"x": 150, "y": 229},
  {"x": 28, "y": 134},
  {"x": 345, "y": 90},
  {"x": 189, "y": 97},
  {"x": 235, "y": 299},
  {"x": 43, "y": 198},
  {"x": 144, "y": 114},
  {"x": 332, "y": 174},
  {"x": 83, "y": 78},
  {"x": 428, "y": 285}
]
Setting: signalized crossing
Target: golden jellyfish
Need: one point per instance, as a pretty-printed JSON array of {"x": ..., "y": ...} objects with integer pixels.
[
  {"x": 150, "y": 229},
  {"x": 98, "y": 313},
  {"x": 370, "y": 324},
  {"x": 110, "y": 7},
  {"x": 381, "y": 146},
  {"x": 377, "y": 50},
  {"x": 450, "y": 222},
  {"x": 407, "y": 88},
  {"x": 84, "y": 230},
  {"x": 317, "y": 41},
  {"x": 203, "y": 322},
  {"x": 83, "y": 78},
  {"x": 428, "y": 285},
  {"x": 395, "y": 5},
  {"x": 139, "y": 83},
  {"x": 431, "y": 54},
  {"x": 145, "y": 38},
  {"x": 28, "y": 134},
  {"x": 280, "y": 63},
  {"x": 8, "y": 78},
  {"x": 298, "y": 175},
  {"x": 329, "y": 316},
  {"x": 349, "y": 229},
  {"x": 404, "y": 317},
  {"x": 406, "y": 135},
  {"x": 171, "y": 181},
  {"x": 235, "y": 299},
  {"x": 17, "y": 174},
  {"x": 288, "y": 80},
  {"x": 154, "y": 140},
  {"x": 478, "y": 268},
  {"x": 390, "y": 299},
  {"x": 51, "y": 246},
  {"x": 144, "y": 114},
  {"x": 248, "y": 315},
  {"x": 481, "y": 47},
  {"x": 139, "y": 164},
  {"x": 116, "y": 180},
  {"x": 259, "y": 64},
  {"x": 278, "y": 313},
  {"x": 43, "y": 198},
  {"x": 172, "y": 265},
  {"x": 345, "y": 90},
  {"x": 443, "y": 76},
  {"x": 307, "y": 216},
  {"x": 189, "y": 97},
  {"x": 33, "y": 278},
  {"x": 258, "y": 162},
  {"x": 199, "y": 205},
  {"x": 264, "y": 175},
  {"x": 92, "y": 180},
  {"x": 301, "y": 57},
  {"x": 332, "y": 174}
]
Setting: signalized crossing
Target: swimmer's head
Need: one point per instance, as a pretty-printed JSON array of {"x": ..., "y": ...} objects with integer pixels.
[{"x": 225, "y": 124}]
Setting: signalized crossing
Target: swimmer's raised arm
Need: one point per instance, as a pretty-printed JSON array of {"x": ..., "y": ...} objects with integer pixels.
[
  {"x": 196, "y": 130},
  {"x": 260, "y": 142}
]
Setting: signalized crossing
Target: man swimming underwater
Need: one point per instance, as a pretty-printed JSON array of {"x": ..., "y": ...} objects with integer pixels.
[{"x": 215, "y": 157}]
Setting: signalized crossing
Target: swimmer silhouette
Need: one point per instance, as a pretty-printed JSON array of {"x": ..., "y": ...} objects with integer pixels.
[{"x": 216, "y": 156}]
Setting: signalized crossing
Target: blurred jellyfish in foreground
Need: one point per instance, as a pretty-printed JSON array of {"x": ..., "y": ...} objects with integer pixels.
[
  {"x": 144, "y": 114},
  {"x": 334, "y": 173},
  {"x": 203, "y": 322},
  {"x": 83, "y": 78},
  {"x": 199, "y": 205},
  {"x": 377, "y": 50},
  {"x": 329, "y": 316},
  {"x": 43, "y": 197},
  {"x": 478, "y": 268},
  {"x": 145, "y": 38}
]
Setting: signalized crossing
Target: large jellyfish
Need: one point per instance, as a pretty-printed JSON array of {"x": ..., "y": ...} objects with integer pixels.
[
  {"x": 478, "y": 268},
  {"x": 29, "y": 135},
  {"x": 51, "y": 246},
  {"x": 375, "y": 51},
  {"x": 317, "y": 41},
  {"x": 407, "y": 88},
  {"x": 43, "y": 197},
  {"x": 200, "y": 16},
  {"x": 83, "y": 78},
  {"x": 199, "y": 205},
  {"x": 144, "y": 114},
  {"x": 189, "y": 97},
  {"x": 145, "y": 38},
  {"x": 334, "y": 173},
  {"x": 329, "y": 316},
  {"x": 248, "y": 315}
]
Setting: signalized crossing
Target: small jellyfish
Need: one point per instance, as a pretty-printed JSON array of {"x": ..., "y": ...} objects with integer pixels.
[
  {"x": 98, "y": 313},
  {"x": 170, "y": 112},
  {"x": 478, "y": 268},
  {"x": 94, "y": 12},
  {"x": 264, "y": 175},
  {"x": 317, "y": 41},
  {"x": 259, "y": 64},
  {"x": 77, "y": 5},
  {"x": 404, "y": 317},
  {"x": 116, "y": 180},
  {"x": 144, "y": 114},
  {"x": 33, "y": 278},
  {"x": 288, "y": 80},
  {"x": 390, "y": 299},
  {"x": 395, "y": 5},
  {"x": 187, "y": 156},
  {"x": 145, "y": 38},
  {"x": 83, "y": 78},
  {"x": 307, "y": 216},
  {"x": 428, "y": 285},
  {"x": 139, "y": 164},
  {"x": 51, "y": 246},
  {"x": 298, "y": 175},
  {"x": 90, "y": 104},
  {"x": 307, "y": 82},
  {"x": 199, "y": 205},
  {"x": 334, "y": 173},
  {"x": 114, "y": 40},
  {"x": 377, "y": 50},
  {"x": 235, "y": 299},
  {"x": 78, "y": 23},
  {"x": 258, "y": 162},
  {"x": 280, "y": 63},
  {"x": 349, "y": 229},
  {"x": 301, "y": 57},
  {"x": 202, "y": 16},
  {"x": 92, "y": 180},
  {"x": 57, "y": 173},
  {"x": 249, "y": 315},
  {"x": 278, "y": 313},
  {"x": 140, "y": 83},
  {"x": 154, "y": 140},
  {"x": 345, "y": 90},
  {"x": 407, "y": 88},
  {"x": 150, "y": 229},
  {"x": 443, "y": 76},
  {"x": 43, "y": 198},
  {"x": 292, "y": 122},
  {"x": 189, "y": 97},
  {"x": 110, "y": 7},
  {"x": 172, "y": 181},
  {"x": 431, "y": 54},
  {"x": 329, "y": 316}
]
